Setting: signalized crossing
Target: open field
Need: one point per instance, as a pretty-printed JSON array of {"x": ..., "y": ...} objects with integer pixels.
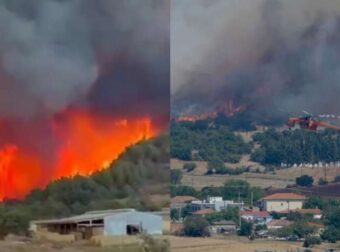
[
  {"x": 11, "y": 246},
  {"x": 233, "y": 244},
  {"x": 280, "y": 179},
  {"x": 104, "y": 244}
]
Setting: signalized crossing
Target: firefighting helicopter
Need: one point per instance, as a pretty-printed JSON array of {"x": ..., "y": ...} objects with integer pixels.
[{"x": 308, "y": 122}]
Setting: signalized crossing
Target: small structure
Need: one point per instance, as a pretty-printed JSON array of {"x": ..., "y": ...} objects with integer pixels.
[
  {"x": 282, "y": 201},
  {"x": 277, "y": 224},
  {"x": 215, "y": 203},
  {"x": 256, "y": 216},
  {"x": 102, "y": 223},
  {"x": 223, "y": 227}
]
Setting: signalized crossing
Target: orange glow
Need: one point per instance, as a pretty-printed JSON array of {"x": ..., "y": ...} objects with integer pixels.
[
  {"x": 228, "y": 109},
  {"x": 85, "y": 143}
]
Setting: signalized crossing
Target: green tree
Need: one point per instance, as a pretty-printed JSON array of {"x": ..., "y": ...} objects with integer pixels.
[
  {"x": 176, "y": 176},
  {"x": 305, "y": 180},
  {"x": 245, "y": 228},
  {"x": 196, "y": 226}
]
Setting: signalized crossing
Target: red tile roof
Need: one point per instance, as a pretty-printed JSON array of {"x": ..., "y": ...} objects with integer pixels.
[
  {"x": 260, "y": 214},
  {"x": 284, "y": 196},
  {"x": 204, "y": 211}
]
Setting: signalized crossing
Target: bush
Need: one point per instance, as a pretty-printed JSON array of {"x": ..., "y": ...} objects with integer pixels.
[
  {"x": 245, "y": 229},
  {"x": 331, "y": 234},
  {"x": 151, "y": 244},
  {"x": 311, "y": 240},
  {"x": 337, "y": 178},
  {"x": 305, "y": 180},
  {"x": 322, "y": 182},
  {"x": 196, "y": 226}
]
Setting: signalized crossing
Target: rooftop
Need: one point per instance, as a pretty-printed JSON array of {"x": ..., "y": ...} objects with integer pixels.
[
  {"x": 88, "y": 216},
  {"x": 284, "y": 196}
]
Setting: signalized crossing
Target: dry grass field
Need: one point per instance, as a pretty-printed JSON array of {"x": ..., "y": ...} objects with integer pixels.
[
  {"x": 280, "y": 179},
  {"x": 236, "y": 244},
  {"x": 11, "y": 246}
]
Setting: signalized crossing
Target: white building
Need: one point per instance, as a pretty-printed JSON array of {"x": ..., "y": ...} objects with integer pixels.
[
  {"x": 279, "y": 202},
  {"x": 215, "y": 203}
]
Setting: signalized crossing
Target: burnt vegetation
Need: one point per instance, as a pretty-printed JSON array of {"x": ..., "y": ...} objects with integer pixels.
[{"x": 129, "y": 182}]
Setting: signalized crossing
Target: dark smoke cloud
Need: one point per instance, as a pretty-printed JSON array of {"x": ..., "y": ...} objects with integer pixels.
[
  {"x": 111, "y": 56},
  {"x": 270, "y": 55}
]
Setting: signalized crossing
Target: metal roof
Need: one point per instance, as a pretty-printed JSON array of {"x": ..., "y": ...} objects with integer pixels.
[{"x": 93, "y": 215}]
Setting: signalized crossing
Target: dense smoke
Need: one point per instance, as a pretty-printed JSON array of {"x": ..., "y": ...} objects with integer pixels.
[
  {"x": 272, "y": 56},
  {"x": 112, "y": 56}
]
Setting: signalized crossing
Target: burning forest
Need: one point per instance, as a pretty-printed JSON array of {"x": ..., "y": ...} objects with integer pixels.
[
  {"x": 269, "y": 59},
  {"x": 78, "y": 86}
]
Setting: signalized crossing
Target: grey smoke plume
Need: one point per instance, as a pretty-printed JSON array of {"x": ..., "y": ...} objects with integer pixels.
[
  {"x": 267, "y": 54},
  {"x": 52, "y": 55}
]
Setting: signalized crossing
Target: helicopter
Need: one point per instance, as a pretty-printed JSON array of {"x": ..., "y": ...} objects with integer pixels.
[{"x": 308, "y": 122}]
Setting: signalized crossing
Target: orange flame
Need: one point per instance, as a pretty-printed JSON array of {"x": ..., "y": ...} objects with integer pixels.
[
  {"x": 87, "y": 143},
  {"x": 228, "y": 109}
]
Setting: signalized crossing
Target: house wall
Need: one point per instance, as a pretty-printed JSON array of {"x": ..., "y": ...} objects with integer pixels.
[
  {"x": 281, "y": 205},
  {"x": 116, "y": 224}
]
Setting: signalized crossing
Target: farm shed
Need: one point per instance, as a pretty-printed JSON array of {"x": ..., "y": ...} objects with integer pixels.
[{"x": 102, "y": 223}]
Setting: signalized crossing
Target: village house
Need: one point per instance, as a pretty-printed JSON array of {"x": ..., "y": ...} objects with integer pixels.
[
  {"x": 282, "y": 201},
  {"x": 256, "y": 216},
  {"x": 118, "y": 222},
  {"x": 215, "y": 203},
  {"x": 223, "y": 227}
]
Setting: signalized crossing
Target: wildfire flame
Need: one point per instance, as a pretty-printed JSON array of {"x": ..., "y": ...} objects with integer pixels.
[
  {"x": 228, "y": 109},
  {"x": 87, "y": 143}
]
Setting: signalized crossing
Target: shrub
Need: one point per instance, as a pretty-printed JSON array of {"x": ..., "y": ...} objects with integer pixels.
[
  {"x": 304, "y": 180},
  {"x": 311, "y": 240},
  {"x": 196, "y": 226}
]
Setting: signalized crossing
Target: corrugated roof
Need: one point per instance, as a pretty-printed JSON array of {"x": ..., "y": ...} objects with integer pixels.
[
  {"x": 93, "y": 215},
  {"x": 284, "y": 196}
]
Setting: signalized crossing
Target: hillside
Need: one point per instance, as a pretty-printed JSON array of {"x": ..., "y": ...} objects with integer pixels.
[
  {"x": 139, "y": 179},
  {"x": 264, "y": 157}
]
